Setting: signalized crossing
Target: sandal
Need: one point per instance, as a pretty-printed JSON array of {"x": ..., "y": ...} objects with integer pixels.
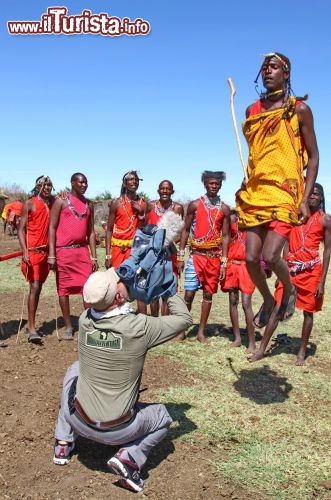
[
  {"x": 286, "y": 311},
  {"x": 34, "y": 338},
  {"x": 27, "y": 331},
  {"x": 68, "y": 334},
  {"x": 262, "y": 317}
]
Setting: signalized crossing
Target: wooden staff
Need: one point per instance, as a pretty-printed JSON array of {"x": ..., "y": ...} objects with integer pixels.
[{"x": 233, "y": 92}]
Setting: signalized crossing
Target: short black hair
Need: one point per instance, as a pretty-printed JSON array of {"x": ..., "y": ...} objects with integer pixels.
[
  {"x": 209, "y": 174},
  {"x": 169, "y": 182},
  {"x": 77, "y": 174}
]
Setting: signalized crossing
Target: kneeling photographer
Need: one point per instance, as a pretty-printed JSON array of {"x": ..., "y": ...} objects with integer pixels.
[{"x": 100, "y": 390}]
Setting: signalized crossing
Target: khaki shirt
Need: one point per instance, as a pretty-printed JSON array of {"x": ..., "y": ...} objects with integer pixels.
[{"x": 112, "y": 352}]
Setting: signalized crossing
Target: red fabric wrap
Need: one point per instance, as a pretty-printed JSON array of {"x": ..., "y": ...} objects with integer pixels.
[
  {"x": 37, "y": 235},
  {"x": 208, "y": 272},
  {"x": 237, "y": 276},
  {"x": 73, "y": 265},
  {"x": 304, "y": 246}
]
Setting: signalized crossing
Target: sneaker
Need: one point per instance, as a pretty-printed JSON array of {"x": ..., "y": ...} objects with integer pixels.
[
  {"x": 124, "y": 466},
  {"x": 62, "y": 453}
]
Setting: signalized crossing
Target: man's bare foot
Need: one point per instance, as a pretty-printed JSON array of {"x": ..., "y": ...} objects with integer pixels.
[
  {"x": 256, "y": 356},
  {"x": 180, "y": 337},
  {"x": 261, "y": 319},
  {"x": 287, "y": 307},
  {"x": 202, "y": 339},
  {"x": 251, "y": 348},
  {"x": 236, "y": 343},
  {"x": 300, "y": 359}
]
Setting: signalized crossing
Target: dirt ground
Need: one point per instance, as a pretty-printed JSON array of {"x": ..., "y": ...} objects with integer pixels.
[{"x": 31, "y": 378}]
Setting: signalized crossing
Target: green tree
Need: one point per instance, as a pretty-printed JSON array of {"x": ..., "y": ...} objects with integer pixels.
[
  {"x": 14, "y": 192},
  {"x": 141, "y": 194},
  {"x": 106, "y": 195}
]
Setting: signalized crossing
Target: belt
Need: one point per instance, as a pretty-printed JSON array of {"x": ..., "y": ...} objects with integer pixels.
[
  {"x": 122, "y": 244},
  {"x": 103, "y": 426},
  {"x": 69, "y": 246},
  {"x": 238, "y": 262},
  {"x": 206, "y": 253},
  {"x": 38, "y": 250}
]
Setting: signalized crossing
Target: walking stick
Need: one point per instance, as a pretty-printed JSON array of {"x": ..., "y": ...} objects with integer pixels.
[
  {"x": 233, "y": 92},
  {"x": 56, "y": 326},
  {"x": 21, "y": 318}
]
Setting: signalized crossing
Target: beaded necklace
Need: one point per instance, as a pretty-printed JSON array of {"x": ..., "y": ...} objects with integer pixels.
[
  {"x": 238, "y": 236},
  {"x": 160, "y": 210},
  {"x": 74, "y": 211},
  {"x": 308, "y": 228},
  {"x": 124, "y": 201}
]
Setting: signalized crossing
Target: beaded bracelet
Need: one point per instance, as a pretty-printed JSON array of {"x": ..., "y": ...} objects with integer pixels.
[
  {"x": 50, "y": 257},
  {"x": 94, "y": 258},
  {"x": 108, "y": 257},
  {"x": 141, "y": 217},
  {"x": 224, "y": 261}
]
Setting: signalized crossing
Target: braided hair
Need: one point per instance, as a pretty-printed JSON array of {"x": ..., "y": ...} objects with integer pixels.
[
  {"x": 286, "y": 66},
  {"x": 40, "y": 181},
  {"x": 130, "y": 173}
]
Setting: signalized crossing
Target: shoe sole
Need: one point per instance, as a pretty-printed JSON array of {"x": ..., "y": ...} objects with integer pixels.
[
  {"x": 116, "y": 466},
  {"x": 130, "y": 485},
  {"x": 61, "y": 461},
  {"x": 35, "y": 339}
]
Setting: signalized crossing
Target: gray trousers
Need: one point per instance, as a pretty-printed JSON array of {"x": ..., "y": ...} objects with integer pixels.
[{"x": 138, "y": 437}]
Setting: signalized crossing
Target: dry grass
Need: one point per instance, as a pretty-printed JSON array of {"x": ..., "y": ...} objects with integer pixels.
[{"x": 267, "y": 423}]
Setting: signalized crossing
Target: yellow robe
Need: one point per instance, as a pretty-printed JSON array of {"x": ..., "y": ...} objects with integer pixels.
[{"x": 275, "y": 168}]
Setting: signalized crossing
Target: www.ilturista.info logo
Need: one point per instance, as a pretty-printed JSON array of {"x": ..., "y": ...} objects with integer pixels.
[{"x": 57, "y": 22}]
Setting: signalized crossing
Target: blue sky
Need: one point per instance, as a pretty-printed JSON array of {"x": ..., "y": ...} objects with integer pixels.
[{"x": 160, "y": 103}]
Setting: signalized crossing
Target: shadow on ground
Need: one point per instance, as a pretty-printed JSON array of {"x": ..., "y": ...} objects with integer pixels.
[
  {"x": 95, "y": 455},
  {"x": 12, "y": 327},
  {"x": 283, "y": 343},
  {"x": 261, "y": 385},
  {"x": 223, "y": 331}
]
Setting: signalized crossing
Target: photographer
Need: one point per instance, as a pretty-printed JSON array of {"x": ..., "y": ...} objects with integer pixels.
[{"x": 100, "y": 390}]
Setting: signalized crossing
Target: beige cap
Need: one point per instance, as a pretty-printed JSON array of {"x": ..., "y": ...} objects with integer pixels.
[{"x": 100, "y": 289}]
